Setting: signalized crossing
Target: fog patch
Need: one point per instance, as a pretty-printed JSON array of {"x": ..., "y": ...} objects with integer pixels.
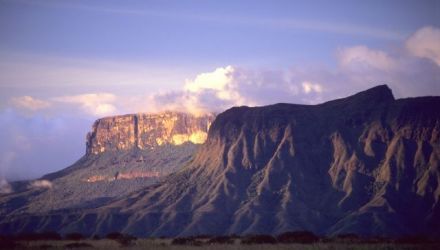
[
  {"x": 41, "y": 184},
  {"x": 5, "y": 187}
]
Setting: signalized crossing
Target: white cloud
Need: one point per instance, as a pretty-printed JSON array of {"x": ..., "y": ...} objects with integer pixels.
[
  {"x": 359, "y": 58},
  {"x": 5, "y": 187},
  {"x": 207, "y": 92},
  {"x": 30, "y": 103},
  {"x": 220, "y": 81},
  {"x": 425, "y": 43},
  {"x": 309, "y": 87},
  {"x": 40, "y": 184},
  {"x": 225, "y": 87},
  {"x": 96, "y": 104}
]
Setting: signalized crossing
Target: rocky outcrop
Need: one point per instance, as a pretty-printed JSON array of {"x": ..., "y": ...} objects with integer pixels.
[{"x": 147, "y": 131}]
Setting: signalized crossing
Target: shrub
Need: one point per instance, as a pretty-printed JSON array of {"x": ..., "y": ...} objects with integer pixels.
[
  {"x": 235, "y": 236},
  {"x": 74, "y": 236},
  {"x": 45, "y": 246},
  {"x": 302, "y": 237},
  {"x": 377, "y": 240},
  {"x": 50, "y": 236},
  {"x": 114, "y": 236},
  {"x": 186, "y": 241},
  {"x": 39, "y": 236},
  {"x": 126, "y": 240},
  {"x": 259, "y": 239},
  {"x": 202, "y": 236},
  {"x": 123, "y": 239},
  {"x": 348, "y": 238},
  {"x": 78, "y": 245},
  {"x": 413, "y": 239},
  {"x": 221, "y": 240},
  {"x": 7, "y": 243}
]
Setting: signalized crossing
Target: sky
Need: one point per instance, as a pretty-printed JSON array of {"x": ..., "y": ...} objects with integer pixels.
[{"x": 64, "y": 64}]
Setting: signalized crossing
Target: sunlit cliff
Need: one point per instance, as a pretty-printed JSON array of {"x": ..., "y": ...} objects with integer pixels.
[{"x": 147, "y": 131}]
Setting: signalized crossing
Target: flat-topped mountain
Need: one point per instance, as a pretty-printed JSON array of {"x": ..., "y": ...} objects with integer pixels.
[
  {"x": 366, "y": 164},
  {"x": 147, "y": 131},
  {"x": 124, "y": 154}
]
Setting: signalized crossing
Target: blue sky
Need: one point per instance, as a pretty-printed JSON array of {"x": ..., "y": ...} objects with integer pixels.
[
  {"x": 65, "y": 63},
  {"x": 208, "y": 33}
]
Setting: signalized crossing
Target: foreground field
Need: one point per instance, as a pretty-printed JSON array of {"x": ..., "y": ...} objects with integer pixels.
[{"x": 166, "y": 244}]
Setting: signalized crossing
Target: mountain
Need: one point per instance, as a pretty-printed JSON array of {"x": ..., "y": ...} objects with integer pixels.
[
  {"x": 366, "y": 164},
  {"x": 123, "y": 154}
]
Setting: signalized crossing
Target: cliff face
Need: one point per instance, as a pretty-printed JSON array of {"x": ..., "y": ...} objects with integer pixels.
[{"x": 146, "y": 131}]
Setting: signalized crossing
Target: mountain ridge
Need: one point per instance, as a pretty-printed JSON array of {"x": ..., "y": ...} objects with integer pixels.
[{"x": 366, "y": 164}]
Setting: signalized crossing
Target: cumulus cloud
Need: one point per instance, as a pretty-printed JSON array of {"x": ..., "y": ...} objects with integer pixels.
[
  {"x": 228, "y": 86},
  {"x": 211, "y": 88},
  {"x": 220, "y": 79},
  {"x": 216, "y": 85},
  {"x": 425, "y": 43},
  {"x": 361, "y": 57},
  {"x": 309, "y": 87},
  {"x": 207, "y": 92},
  {"x": 40, "y": 184},
  {"x": 30, "y": 103},
  {"x": 96, "y": 104}
]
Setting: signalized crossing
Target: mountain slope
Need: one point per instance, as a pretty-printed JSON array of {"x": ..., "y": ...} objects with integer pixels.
[
  {"x": 365, "y": 164},
  {"x": 124, "y": 154}
]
